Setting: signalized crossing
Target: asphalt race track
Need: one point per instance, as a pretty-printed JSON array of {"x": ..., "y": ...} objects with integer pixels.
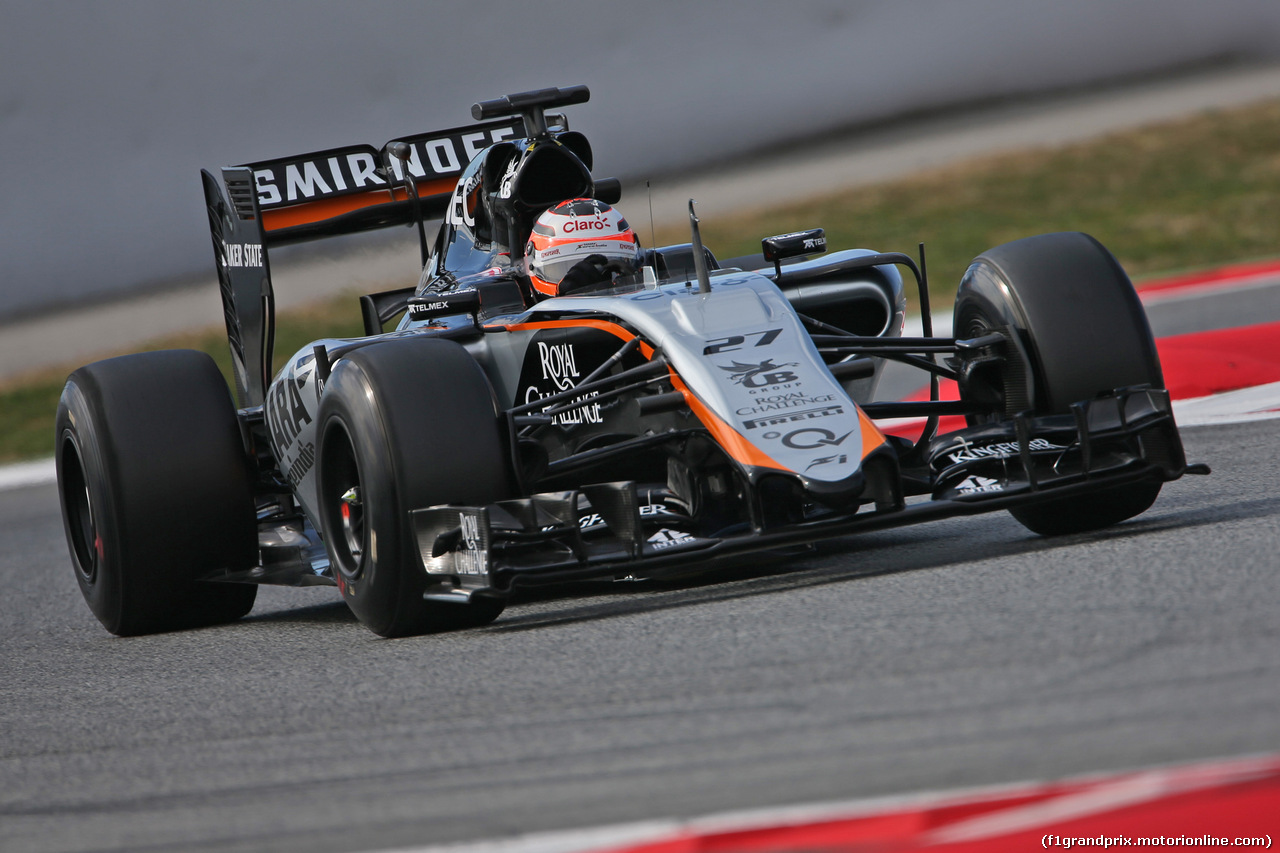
[
  {"x": 960, "y": 653},
  {"x": 964, "y": 652}
]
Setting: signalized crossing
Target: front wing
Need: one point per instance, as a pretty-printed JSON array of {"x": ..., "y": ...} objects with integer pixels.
[{"x": 1106, "y": 443}]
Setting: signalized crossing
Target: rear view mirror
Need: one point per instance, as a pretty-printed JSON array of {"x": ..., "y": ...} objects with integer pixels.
[{"x": 793, "y": 244}]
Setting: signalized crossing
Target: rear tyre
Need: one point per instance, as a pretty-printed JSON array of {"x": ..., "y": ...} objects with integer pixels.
[
  {"x": 404, "y": 424},
  {"x": 155, "y": 491},
  {"x": 1077, "y": 330}
]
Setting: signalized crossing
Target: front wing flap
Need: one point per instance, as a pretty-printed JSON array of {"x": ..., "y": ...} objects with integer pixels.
[
  {"x": 1100, "y": 437},
  {"x": 621, "y": 530}
]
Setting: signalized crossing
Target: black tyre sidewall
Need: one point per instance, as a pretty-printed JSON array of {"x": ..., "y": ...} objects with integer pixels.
[
  {"x": 1079, "y": 330},
  {"x": 101, "y": 582},
  {"x": 422, "y": 424},
  {"x": 155, "y": 438},
  {"x": 1078, "y": 320}
]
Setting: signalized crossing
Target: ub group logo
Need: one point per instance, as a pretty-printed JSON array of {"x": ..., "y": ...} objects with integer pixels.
[{"x": 765, "y": 374}]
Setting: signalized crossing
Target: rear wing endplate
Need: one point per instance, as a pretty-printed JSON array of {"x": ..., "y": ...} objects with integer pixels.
[
  {"x": 244, "y": 279},
  {"x": 317, "y": 195}
]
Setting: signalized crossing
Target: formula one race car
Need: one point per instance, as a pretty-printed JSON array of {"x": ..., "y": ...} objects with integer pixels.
[{"x": 557, "y": 403}]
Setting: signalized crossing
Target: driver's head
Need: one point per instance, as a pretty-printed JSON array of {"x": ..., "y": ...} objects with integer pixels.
[{"x": 579, "y": 244}]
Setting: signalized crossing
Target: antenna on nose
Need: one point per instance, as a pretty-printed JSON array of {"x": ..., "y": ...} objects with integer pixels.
[{"x": 699, "y": 255}]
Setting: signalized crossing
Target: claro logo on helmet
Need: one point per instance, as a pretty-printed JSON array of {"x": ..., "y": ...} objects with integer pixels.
[{"x": 574, "y": 225}]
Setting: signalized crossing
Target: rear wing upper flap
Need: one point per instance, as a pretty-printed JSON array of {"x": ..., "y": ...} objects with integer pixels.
[{"x": 359, "y": 187}]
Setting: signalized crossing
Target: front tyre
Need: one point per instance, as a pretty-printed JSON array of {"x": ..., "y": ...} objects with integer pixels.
[
  {"x": 404, "y": 424},
  {"x": 155, "y": 491},
  {"x": 1076, "y": 330}
]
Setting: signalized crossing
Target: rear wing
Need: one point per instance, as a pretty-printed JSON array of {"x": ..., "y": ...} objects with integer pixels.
[
  {"x": 317, "y": 195},
  {"x": 343, "y": 190}
]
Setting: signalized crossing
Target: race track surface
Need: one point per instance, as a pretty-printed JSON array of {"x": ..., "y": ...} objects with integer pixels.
[{"x": 959, "y": 653}]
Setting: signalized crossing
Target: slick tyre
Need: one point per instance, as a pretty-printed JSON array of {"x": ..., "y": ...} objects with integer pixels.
[
  {"x": 404, "y": 425},
  {"x": 155, "y": 491},
  {"x": 1077, "y": 330}
]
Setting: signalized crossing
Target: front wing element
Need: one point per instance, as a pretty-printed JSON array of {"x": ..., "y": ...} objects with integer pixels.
[{"x": 617, "y": 530}]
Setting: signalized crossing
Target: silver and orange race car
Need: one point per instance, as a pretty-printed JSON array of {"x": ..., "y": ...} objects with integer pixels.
[{"x": 669, "y": 415}]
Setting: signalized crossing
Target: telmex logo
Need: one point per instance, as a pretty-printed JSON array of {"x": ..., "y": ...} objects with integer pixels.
[
  {"x": 420, "y": 310},
  {"x": 584, "y": 225}
]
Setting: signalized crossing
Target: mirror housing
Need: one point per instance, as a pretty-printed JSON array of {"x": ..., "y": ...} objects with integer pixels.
[{"x": 791, "y": 245}]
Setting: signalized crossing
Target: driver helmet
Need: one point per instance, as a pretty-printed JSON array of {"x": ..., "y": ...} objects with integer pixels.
[{"x": 584, "y": 239}]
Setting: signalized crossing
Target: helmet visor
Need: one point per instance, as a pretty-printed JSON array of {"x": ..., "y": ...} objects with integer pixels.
[{"x": 552, "y": 264}]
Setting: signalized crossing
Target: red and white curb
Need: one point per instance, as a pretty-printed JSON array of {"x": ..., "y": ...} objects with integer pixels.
[
  {"x": 1262, "y": 402},
  {"x": 1217, "y": 377},
  {"x": 1204, "y": 283},
  {"x": 1180, "y": 805}
]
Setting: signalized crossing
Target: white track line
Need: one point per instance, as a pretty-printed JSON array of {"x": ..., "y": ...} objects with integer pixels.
[{"x": 27, "y": 474}]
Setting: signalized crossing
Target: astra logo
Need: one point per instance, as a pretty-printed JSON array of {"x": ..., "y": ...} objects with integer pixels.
[
  {"x": 286, "y": 413},
  {"x": 580, "y": 224}
]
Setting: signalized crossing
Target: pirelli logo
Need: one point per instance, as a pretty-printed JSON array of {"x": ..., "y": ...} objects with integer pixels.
[{"x": 792, "y": 417}]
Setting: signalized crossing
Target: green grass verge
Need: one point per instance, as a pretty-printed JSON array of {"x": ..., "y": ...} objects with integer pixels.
[
  {"x": 1168, "y": 197},
  {"x": 1192, "y": 193},
  {"x": 28, "y": 404}
]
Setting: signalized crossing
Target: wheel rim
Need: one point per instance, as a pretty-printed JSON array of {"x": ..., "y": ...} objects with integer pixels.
[
  {"x": 77, "y": 508},
  {"x": 352, "y": 513},
  {"x": 343, "y": 507}
]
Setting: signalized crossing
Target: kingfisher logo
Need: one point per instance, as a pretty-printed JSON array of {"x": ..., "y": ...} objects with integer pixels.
[{"x": 965, "y": 451}]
